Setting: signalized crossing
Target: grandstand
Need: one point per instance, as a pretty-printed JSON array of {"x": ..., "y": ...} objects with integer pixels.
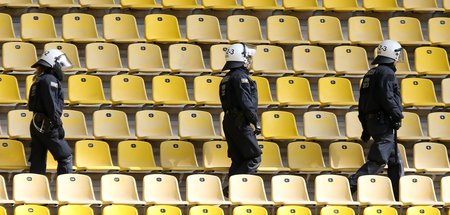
[{"x": 143, "y": 115}]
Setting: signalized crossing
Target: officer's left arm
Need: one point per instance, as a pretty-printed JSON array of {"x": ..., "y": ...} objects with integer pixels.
[
  {"x": 388, "y": 98},
  {"x": 49, "y": 95},
  {"x": 246, "y": 99}
]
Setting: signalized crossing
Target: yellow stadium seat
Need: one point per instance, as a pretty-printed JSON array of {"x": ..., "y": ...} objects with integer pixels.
[
  {"x": 353, "y": 127},
  {"x": 163, "y": 210},
  {"x": 75, "y": 210},
  {"x": 75, "y": 189},
  {"x": 290, "y": 190},
  {"x": 4, "y": 199},
  {"x": 74, "y": 124},
  {"x": 343, "y": 55},
  {"x": 384, "y": 210},
  {"x": 376, "y": 190},
  {"x": 271, "y": 158},
  {"x": 279, "y": 125},
  {"x": 411, "y": 130},
  {"x": 80, "y": 27},
  {"x": 205, "y": 209},
  {"x": 52, "y": 164},
  {"x": 402, "y": 151},
  {"x": 215, "y": 156},
  {"x": 119, "y": 189},
  {"x": 446, "y": 4},
  {"x": 325, "y": 30},
  {"x": 431, "y": 61},
  {"x": 293, "y": 210},
  {"x": 128, "y": 90},
  {"x": 270, "y": 60},
  {"x": 203, "y": 189},
  {"x": 306, "y": 5},
  {"x": 29, "y": 188},
  {"x": 247, "y": 190},
  {"x": 445, "y": 190},
  {"x": 418, "y": 92},
  {"x": 221, "y": 4},
  {"x": 9, "y": 90},
  {"x": 333, "y": 190},
  {"x": 86, "y": 89},
  {"x": 38, "y": 27},
  {"x": 406, "y": 30},
  {"x": 181, "y": 4},
  {"x": 19, "y": 124},
  {"x": 196, "y": 125},
  {"x": 310, "y": 60},
  {"x": 439, "y": 126},
  {"x": 58, "y": 4},
  {"x": 382, "y": 6},
  {"x": 294, "y": 91},
  {"x": 98, "y": 4},
  {"x": 7, "y": 34},
  {"x": 140, "y": 4},
  {"x": 93, "y": 156},
  {"x": 346, "y": 156},
  {"x": 335, "y": 91},
  {"x": 170, "y": 90},
  {"x": 161, "y": 189},
  {"x": 121, "y": 28},
  {"x": 417, "y": 190},
  {"x": 342, "y": 5},
  {"x": 438, "y": 28},
  {"x": 217, "y": 57},
  {"x": 19, "y": 3},
  {"x": 305, "y": 157},
  {"x": 2, "y": 211},
  {"x": 119, "y": 209},
  {"x": 427, "y": 6},
  {"x": 427, "y": 210},
  {"x": 186, "y": 58},
  {"x": 283, "y": 29},
  {"x": 249, "y": 210},
  {"x": 71, "y": 52},
  {"x": 111, "y": 125},
  {"x": 136, "y": 156},
  {"x": 206, "y": 90},
  {"x": 11, "y": 62},
  {"x": 153, "y": 125},
  {"x": 445, "y": 84},
  {"x": 31, "y": 209},
  {"x": 244, "y": 28},
  {"x": 178, "y": 156},
  {"x": 103, "y": 57},
  {"x": 321, "y": 125},
  {"x": 145, "y": 58},
  {"x": 204, "y": 29},
  {"x": 264, "y": 92},
  {"x": 402, "y": 66},
  {"x": 431, "y": 158},
  {"x": 12, "y": 157},
  {"x": 364, "y": 30},
  {"x": 261, "y": 5},
  {"x": 162, "y": 28}
]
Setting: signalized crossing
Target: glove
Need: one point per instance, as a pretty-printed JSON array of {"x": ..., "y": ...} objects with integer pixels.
[
  {"x": 397, "y": 125},
  {"x": 257, "y": 129},
  {"x": 365, "y": 136},
  {"x": 61, "y": 132}
]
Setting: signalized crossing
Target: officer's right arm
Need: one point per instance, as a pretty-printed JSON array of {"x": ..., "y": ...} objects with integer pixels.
[
  {"x": 387, "y": 96},
  {"x": 244, "y": 98}
]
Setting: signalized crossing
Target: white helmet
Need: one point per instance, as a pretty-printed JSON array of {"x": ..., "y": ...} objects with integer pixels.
[
  {"x": 53, "y": 56},
  {"x": 388, "y": 51},
  {"x": 237, "y": 55}
]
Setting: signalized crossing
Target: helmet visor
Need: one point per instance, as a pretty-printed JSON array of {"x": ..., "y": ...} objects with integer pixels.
[
  {"x": 401, "y": 55},
  {"x": 64, "y": 62}
]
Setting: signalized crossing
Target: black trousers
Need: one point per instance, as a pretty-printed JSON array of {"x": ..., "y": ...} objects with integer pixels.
[{"x": 58, "y": 147}]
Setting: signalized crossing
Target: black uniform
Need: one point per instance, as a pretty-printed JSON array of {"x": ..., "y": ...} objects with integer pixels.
[
  {"x": 46, "y": 101},
  {"x": 239, "y": 98},
  {"x": 380, "y": 112}
]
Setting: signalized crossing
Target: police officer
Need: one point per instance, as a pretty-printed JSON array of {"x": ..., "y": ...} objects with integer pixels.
[
  {"x": 46, "y": 101},
  {"x": 239, "y": 98},
  {"x": 380, "y": 113}
]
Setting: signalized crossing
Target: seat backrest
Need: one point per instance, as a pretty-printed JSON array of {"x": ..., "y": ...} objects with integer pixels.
[
  {"x": 402, "y": 151},
  {"x": 369, "y": 4},
  {"x": 92, "y": 153},
  {"x": 346, "y": 155},
  {"x": 102, "y": 55},
  {"x": 263, "y": 88},
  {"x": 259, "y": 3},
  {"x": 31, "y": 209},
  {"x": 119, "y": 209},
  {"x": 163, "y": 210},
  {"x": 411, "y": 125},
  {"x": 438, "y": 124},
  {"x": 271, "y": 155},
  {"x": 177, "y": 154},
  {"x": 245, "y": 187},
  {"x": 320, "y": 124},
  {"x": 161, "y": 26},
  {"x": 445, "y": 189},
  {"x": 210, "y": 3},
  {"x": 269, "y": 57},
  {"x": 37, "y": 25},
  {"x": 107, "y": 123},
  {"x": 323, "y": 28},
  {"x": 375, "y": 188},
  {"x": 206, "y": 88},
  {"x": 74, "y": 187},
  {"x": 85, "y": 87},
  {"x": 31, "y": 187},
  {"x": 243, "y": 27},
  {"x": 428, "y": 155},
  {"x": 206, "y": 210},
  {"x": 215, "y": 154},
  {"x": 93, "y": 3},
  {"x": 2, "y": 211},
  {"x": 309, "y": 58},
  {"x": 305, "y": 155},
  {"x": 431, "y": 59},
  {"x": 418, "y": 90},
  {"x": 428, "y": 210},
  {"x": 418, "y": 4},
  {"x": 293, "y": 89},
  {"x": 278, "y": 123},
  {"x": 128, "y": 88},
  {"x": 337, "y": 210},
  {"x": 445, "y": 90},
  {"x": 12, "y": 154},
  {"x": 335, "y": 89},
  {"x": 283, "y": 28},
  {"x": 19, "y": 123},
  {"x": 438, "y": 27},
  {"x": 329, "y": 188},
  {"x": 199, "y": 26},
  {"x": 217, "y": 56},
  {"x": 7, "y": 26},
  {"x": 55, "y": 2},
  {"x": 340, "y": 3},
  {"x": 416, "y": 188},
  {"x": 78, "y": 26},
  {"x": 364, "y": 29},
  {"x": 118, "y": 187},
  {"x": 405, "y": 29},
  {"x": 134, "y": 153},
  {"x": 385, "y": 210},
  {"x": 343, "y": 55},
  {"x": 69, "y": 49},
  {"x": 75, "y": 210},
  {"x": 120, "y": 26},
  {"x": 153, "y": 123},
  {"x": 185, "y": 56},
  {"x": 178, "y": 2},
  {"x": 3, "y": 191},
  {"x": 160, "y": 187},
  {"x": 249, "y": 210},
  {"x": 287, "y": 188},
  {"x": 203, "y": 188},
  {"x": 9, "y": 88},
  {"x": 195, "y": 123},
  {"x": 144, "y": 55},
  {"x": 169, "y": 88},
  {"x": 74, "y": 123},
  {"x": 353, "y": 127},
  {"x": 11, "y": 50},
  {"x": 304, "y": 3}
]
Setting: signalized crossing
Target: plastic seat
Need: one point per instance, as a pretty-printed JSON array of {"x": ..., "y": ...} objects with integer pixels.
[
  {"x": 162, "y": 28},
  {"x": 402, "y": 151},
  {"x": 418, "y": 92},
  {"x": 279, "y": 125},
  {"x": 249, "y": 210},
  {"x": 31, "y": 209},
  {"x": 353, "y": 127},
  {"x": 244, "y": 28},
  {"x": 75, "y": 210},
  {"x": 2, "y": 211},
  {"x": 163, "y": 210},
  {"x": 271, "y": 158},
  {"x": 382, "y": 6},
  {"x": 119, "y": 209},
  {"x": 428, "y": 6},
  {"x": 333, "y": 190},
  {"x": 29, "y": 188},
  {"x": 93, "y": 156},
  {"x": 119, "y": 189},
  {"x": 438, "y": 27},
  {"x": 19, "y": 124},
  {"x": 215, "y": 156},
  {"x": 306, "y": 5},
  {"x": 128, "y": 90},
  {"x": 445, "y": 84},
  {"x": 19, "y": 4},
  {"x": 74, "y": 124},
  {"x": 261, "y": 5},
  {"x": 205, "y": 90},
  {"x": 406, "y": 30},
  {"x": 342, "y": 5},
  {"x": 9, "y": 90},
  {"x": 445, "y": 188},
  {"x": 325, "y": 30},
  {"x": 86, "y": 90},
  {"x": 98, "y": 4},
  {"x": 270, "y": 60},
  {"x": 202, "y": 189},
  {"x": 411, "y": 130},
  {"x": 264, "y": 92},
  {"x": 196, "y": 125},
  {"x": 11, "y": 62},
  {"x": 321, "y": 125},
  {"x": 217, "y": 57},
  {"x": 335, "y": 91},
  {"x": 446, "y": 4},
  {"x": 140, "y": 4},
  {"x": 428, "y": 210},
  {"x": 7, "y": 34},
  {"x": 384, "y": 210},
  {"x": 145, "y": 58},
  {"x": 153, "y": 125},
  {"x": 186, "y": 58},
  {"x": 121, "y": 28},
  {"x": 205, "y": 209},
  {"x": 305, "y": 157},
  {"x": 343, "y": 55},
  {"x": 439, "y": 126},
  {"x": 294, "y": 210},
  {"x": 161, "y": 189},
  {"x": 364, "y": 30},
  {"x": 221, "y": 4},
  {"x": 181, "y": 4},
  {"x": 38, "y": 27},
  {"x": 403, "y": 68},
  {"x": 376, "y": 190},
  {"x": 79, "y": 27},
  {"x": 71, "y": 52},
  {"x": 57, "y": 4},
  {"x": 283, "y": 29},
  {"x": 136, "y": 156},
  {"x": 204, "y": 29},
  {"x": 178, "y": 156},
  {"x": 417, "y": 190},
  {"x": 431, "y": 61},
  {"x": 294, "y": 91},
  {"x": 103, "y": 57},
  {"x": 111, "y": 125},
  {"x": 12, "y": 158},
  {"x": 310, "y": 60},
  {"x": 290, "y": 190},
  {"x": 247, "y": 190},
  {"x": 346, "y": 156},
  {"x": 4, "y": 199},
  {"x": 75, "y": 189},
  {"x": 431, "y": 158},
  {"x": 170, "y": 90}
]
